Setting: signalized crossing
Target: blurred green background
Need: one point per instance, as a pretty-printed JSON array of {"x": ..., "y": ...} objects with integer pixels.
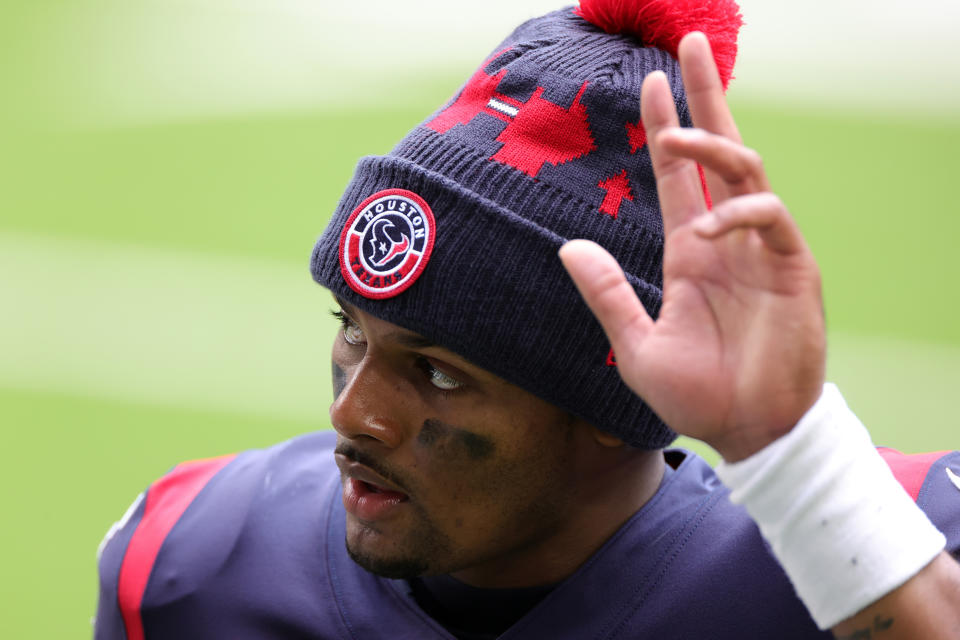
[{"x": 167, "y": 166}]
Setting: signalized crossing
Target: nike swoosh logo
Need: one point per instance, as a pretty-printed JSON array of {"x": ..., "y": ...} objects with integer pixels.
[{"x": 954, "y": 478}]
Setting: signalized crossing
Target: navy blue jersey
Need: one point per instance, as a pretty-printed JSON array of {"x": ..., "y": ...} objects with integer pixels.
[{"x": 252, "y": 547}]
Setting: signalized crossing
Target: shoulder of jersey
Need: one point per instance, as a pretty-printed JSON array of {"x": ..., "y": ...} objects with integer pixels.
[
  {"x": 221, "y": 490},
  {"x": 206, "y": 502},
  {"x": 915, "y": 471},
  {"x": 933, "y": 481},
  {"x": 186, "y": 524}
]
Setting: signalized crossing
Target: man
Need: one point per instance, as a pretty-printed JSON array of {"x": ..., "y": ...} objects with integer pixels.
[{"x": 494, "y": 475}]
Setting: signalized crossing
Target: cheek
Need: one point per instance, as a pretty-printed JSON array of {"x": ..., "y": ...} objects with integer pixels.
[
  {"x": 456, "y": 463},
  {"x": 452, "y": 445},
  {"x": 343, "y": 359},
  {"x": 476, "y": 483},
  {"x": 339, "y": 378}
]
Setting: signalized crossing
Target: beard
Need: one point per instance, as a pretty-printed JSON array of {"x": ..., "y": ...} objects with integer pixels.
[
  {"x": 423, "y": 549},
  {"x": 403, "y": 568}
]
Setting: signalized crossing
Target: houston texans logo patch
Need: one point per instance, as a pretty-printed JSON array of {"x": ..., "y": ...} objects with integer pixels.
[{"x": 386, "y": 243}]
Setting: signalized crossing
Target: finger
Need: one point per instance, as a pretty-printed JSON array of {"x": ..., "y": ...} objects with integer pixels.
[
  {"x": 678, "y": 181},
  {"x": 606, "y": 291},
  {"x": 763, "y": 212},
  {"x": 706, "y": 99},
  {"x": 738, "y": 168},
  {"x": 701, "y": 80}
]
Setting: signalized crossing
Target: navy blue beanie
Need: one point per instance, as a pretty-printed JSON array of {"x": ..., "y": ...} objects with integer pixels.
[{"x": 454, "y": 234}]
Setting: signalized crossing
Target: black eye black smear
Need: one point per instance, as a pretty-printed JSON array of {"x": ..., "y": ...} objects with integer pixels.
[
  {"x": 339, "y": 379},
  {"x": 454, "y": 440}
]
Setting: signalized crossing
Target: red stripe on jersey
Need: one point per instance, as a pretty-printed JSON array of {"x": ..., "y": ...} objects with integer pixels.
[
  {"x": 166, "y": 501},
  {"x": 910, "y": 470}
]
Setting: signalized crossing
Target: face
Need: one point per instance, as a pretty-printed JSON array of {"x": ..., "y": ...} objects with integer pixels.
[{"x": 446, "y": 467}]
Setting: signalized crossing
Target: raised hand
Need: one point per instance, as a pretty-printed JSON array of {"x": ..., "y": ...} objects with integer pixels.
[{"x": 737, "y": 354}]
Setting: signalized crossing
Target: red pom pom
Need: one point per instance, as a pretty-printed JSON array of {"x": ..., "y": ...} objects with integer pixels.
[{"x": 663, "y": 23}]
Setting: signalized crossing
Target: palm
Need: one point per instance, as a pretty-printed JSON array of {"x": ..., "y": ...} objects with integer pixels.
[
  {"x": 736, "y": 355},
  {"x": 738, "y": 326}
]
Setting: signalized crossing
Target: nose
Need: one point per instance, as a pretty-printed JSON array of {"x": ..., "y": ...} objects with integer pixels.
[{"x": 372, "y": 404}]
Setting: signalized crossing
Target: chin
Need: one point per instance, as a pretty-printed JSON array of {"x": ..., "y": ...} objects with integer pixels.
[
  {"x": 398, "y": 568},
  {"x": 398, "y": 552}
]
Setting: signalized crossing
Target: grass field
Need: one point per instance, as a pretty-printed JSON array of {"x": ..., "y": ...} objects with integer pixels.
[{"x": 157, "y": 304}]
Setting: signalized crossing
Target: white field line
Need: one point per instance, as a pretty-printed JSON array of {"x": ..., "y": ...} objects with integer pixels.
[{"x": 240, "y": 335}]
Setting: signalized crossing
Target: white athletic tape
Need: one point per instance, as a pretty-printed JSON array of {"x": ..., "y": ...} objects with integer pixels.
[{"x": 842, "y": 527}]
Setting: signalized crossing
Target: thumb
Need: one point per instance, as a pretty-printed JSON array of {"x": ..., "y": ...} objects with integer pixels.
[{"x": 606, "y": 291}]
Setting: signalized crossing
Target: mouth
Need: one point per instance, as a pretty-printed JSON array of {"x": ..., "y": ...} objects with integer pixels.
[
  {"x": 371, "y": 491},
  {"x": 373, "y": 488},
  {"x": 367, "y": 495}
]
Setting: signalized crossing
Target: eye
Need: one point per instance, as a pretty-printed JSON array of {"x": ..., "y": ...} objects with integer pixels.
[
  {"x": 439, "y": 379},
  {"x": 352, "y": 332}
]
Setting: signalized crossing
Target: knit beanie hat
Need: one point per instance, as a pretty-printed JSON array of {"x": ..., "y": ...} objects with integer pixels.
[{"x": 454, "y": 234}]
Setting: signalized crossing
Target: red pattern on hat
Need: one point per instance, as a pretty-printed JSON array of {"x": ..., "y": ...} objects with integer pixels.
[
  {"x": 618, "y": 190},
  {"x": 543, "y": 132}
]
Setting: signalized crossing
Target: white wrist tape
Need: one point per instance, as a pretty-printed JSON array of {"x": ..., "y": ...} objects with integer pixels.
[{"x": 842, "y": 527}]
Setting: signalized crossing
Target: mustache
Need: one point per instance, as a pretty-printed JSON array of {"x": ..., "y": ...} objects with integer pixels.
[{"x": 357, "y": 455}]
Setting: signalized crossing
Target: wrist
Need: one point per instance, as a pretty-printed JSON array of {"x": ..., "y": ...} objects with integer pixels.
[
  {"x": 844, "y": 530},
  {"x": 739, "y": 444}
]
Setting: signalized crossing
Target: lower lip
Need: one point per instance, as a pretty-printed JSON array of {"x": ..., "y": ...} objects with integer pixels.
[{"x": 361, "y": 502}]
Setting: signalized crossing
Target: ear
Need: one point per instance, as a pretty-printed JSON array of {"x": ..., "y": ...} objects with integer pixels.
[{"x": 605, "y": 439}]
